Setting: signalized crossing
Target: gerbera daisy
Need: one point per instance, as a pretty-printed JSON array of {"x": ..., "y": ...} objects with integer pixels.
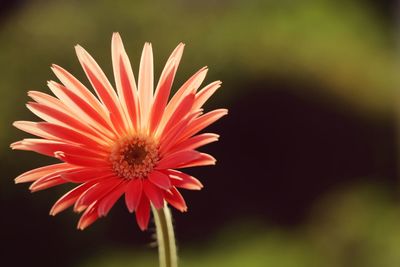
[{"x": 126, "y": 142}]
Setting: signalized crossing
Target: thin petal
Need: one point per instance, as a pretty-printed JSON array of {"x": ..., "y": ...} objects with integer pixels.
[
  {"x": 69, "y": 198},
  {"x": 89, "y": 216},
  {"x": 202, "y": 160},
  {"x": 133, "y": 194},
  {"x": 77, "y": 87},
  {"x": 194, "y": 142},
  {"x": 163, "y": 88},
  {"x": 146, "y": 83},
  {"x": 81, "y": 160},
  {"x": 143, "y": 213},
  {"x": 46, "y": 182},
  {"x": 35, "y": 174},
  {"x": 169, "y": 139},
  {"x": 175, "y": 198},
  {"x": 125, "y": 81},
  {"x": 202, "y": 122},
  {"x": 190, "y": 86},
  {"x": 49, "y": 147},
  {"x": 182, "y": 110},
  {"x": 64, "y": 134},
  {"x": 102, "y": 87},
  {"x": 204, "y": 94},
  {"x": 87, "y": 174},
  {"x": 56, "y": 116},
  {"x": 95, "y": 192},
  {"x": 160, "y": 179},
  {"x": 81, "y": 108},
  {"x": 107, "y": 202},
  {"x": 178, "y": 159},
  {"x": 183, "y": 180},
  {"x": 154, "y": 194}
]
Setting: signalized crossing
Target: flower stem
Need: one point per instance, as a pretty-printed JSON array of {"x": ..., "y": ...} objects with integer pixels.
[{"x": 165, "y": 237}]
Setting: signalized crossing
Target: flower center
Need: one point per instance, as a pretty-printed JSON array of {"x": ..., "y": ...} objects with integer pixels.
[{"x": 134, "y": 157}]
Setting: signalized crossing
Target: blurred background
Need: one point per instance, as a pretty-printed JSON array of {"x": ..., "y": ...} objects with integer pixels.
[{"x": 307, "y": 171}]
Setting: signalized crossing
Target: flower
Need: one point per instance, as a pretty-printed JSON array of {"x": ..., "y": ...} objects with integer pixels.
[{"x": 126, "y": 142}]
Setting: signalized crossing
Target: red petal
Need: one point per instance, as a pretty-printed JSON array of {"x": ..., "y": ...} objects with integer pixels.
[
  {"x": 81, "y": 160},
  {"x": 102, "y": 87},
  {"x": 125, "y": 81},
  {"x": 35, "y": 174},
  {"x": 175, "y": 198},
  {"x": 205, "y": 94},
  {"x": 87, "y": 174},
  {"x": 46, "y": 182},
  {"x": 203, "y": 160},
  {"x": 133, "y": 194},
  {"x": 89, "y": 216},
  {"x": 77, "y": 87},
  {"x": 109, "y": 200},
  {"x": 154, "y": 194},
  {"x": 95, "y": 193},
  {"x": 160, "y": 179},
  {"x": 183, "y": 180},
  {"x": 69, "y": 198},
  {"x": 194, "y": 142},
  {"x": 145, "y": 83},
  {"x": 164, "y": 87},
  {"x": 143, "y": 213},
  {"x": 202, "y": 122},
  {"x": 177, "y": 159}
]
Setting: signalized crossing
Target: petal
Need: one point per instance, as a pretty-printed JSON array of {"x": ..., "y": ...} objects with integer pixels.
[
  {"x": 77, "y": 88},
  {"x": 60, "y": 117},
  {"x": 205, "y": 94},
  {"x": 32, "y": 128},
  {"x": 81, "y": 160},
  {"x": 109, "y": 200},
  {"x": 81, "y": 108},
  {"x": 178, "y": 159},
  {"x": 182, "y": 110},
  {"x": 69, "y": 198},
  {"x": 169, "y": 139},
  {"x": 174, "y": 198},
  {"x": 64, "y": 134},
  {"x": 133, "y": 194},
  {"x": 194, "y": 142},
  {"x": 143, "y": 213},
  {"x": 102, "y": 87},
  {"x": 89, "y": 216},
  {"x": 160, "y": 179},
  {"x": 202, "y": 160},
  {"x": 190, "y": 86},
  {"x": 35, "y": 174},
  {"x": 87, "y": 174},
  {"x": 49, "y": 147},
  {"x": 183, "y": 180},
  {"x": 154, "y": 194},
  {"x": 125, "y": 81},
  {"x": 202, "y": 122},
  {"x": 163, "y": 88},
  {"x": 95, "y": 193},
  {"x": 46, "y": 182},
  {"x": 145, "y": 83}
]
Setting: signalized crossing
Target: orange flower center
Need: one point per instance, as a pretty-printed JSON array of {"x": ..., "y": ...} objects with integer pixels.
[{"x": 134, "y": 157}]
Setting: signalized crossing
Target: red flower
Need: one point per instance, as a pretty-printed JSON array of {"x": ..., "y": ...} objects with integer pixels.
[{"x": 128, "y": 142}]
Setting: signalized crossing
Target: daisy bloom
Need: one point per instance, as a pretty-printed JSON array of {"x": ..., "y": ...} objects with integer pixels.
[{"x": 128, "y": 142}]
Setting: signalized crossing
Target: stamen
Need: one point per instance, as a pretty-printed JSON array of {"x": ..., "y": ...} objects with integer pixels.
[{"x": 134, "y": 157}]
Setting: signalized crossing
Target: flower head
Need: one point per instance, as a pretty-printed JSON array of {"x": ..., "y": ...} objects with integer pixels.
[{"x": 129, "y": 142}]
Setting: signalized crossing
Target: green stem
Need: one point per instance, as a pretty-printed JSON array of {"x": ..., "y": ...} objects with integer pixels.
[{"x": 165, "y": 237}]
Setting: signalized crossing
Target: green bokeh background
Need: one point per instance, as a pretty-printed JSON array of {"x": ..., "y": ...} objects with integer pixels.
[{"x": 345, "y": 49}]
